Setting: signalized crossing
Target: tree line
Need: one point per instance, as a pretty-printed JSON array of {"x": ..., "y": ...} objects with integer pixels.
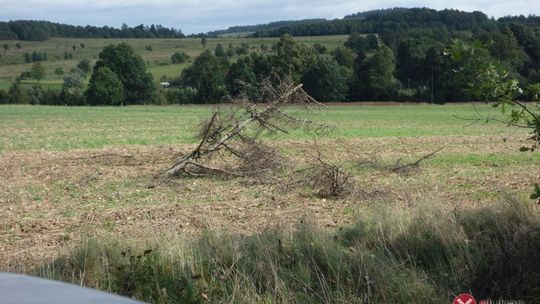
[
  {"x": 412, "y": 67},
  {"x": 33, "y": 30}
]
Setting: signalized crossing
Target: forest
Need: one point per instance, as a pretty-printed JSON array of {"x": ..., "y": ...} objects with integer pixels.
[{"x": 32, "y": 30}]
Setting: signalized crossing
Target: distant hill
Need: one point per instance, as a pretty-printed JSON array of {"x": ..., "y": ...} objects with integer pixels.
[
  {"x": 263, "y": 27},
  {"x": 33, "y": 30},
  {"x": 380, "y": 21}
]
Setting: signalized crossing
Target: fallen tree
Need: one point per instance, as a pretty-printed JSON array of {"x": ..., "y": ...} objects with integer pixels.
[{"x": 235, "y": 131}]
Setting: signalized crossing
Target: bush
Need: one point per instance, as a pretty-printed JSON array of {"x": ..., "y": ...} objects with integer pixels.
[
  {"x": 422, "y": 254},
  {"x": 4, "y": 97},
  {"x": 105, "y": 88},
  {"x": 326, "y": 80},
  {"x": 179, "y": 57},
  {"x": 184, "y": 95},
  {"x": 59, "y": 71},
  {"x": 206, "y": 75}
]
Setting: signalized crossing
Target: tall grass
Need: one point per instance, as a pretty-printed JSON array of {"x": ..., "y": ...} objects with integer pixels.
[{"x": 423, "y": 254}]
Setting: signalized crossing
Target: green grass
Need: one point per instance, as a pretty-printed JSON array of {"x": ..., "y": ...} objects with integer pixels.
[
  {"x": 158, "y": 60},
  {"x": 24, "y": 127},
  {"x": 425, "y": 254}
]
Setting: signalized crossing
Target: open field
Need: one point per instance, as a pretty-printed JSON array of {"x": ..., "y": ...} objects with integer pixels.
[
  {"x": 158, "y": 60},
  {"x": 73, "y": 173}
]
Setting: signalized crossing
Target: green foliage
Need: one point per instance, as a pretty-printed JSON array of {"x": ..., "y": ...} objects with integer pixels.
[
  {"x": 43, "y": 30},
  {"x": 38, "y": 71},
  {"x": 105, "y": 88},
  {"x": 72, "y": 88},
  {"x": 344, "y": 56},
  {"x": 319, "y": 48},
  {"x": 35, "y": 94},
  {"x": 17, "y": 94},
  {"x": 130, "y": 69},
  {"x": 536, "y": 193},
  {"x": 425, "y": 254},
  {"x": 84, "y": 66},
  {"x": 179, "y": 57},
  {"x": 326, "y": 80},
  {"x": 486, "y": 78},
  {"x": 185, "y": 95},
  {"x": 360, "y": 44},
  {"x": 219, "y": 51},
  {"x": 4, "y": 97},
  {"x": 292, "y": 57},
  {"x": 203, "y": 42},
  {"x": 59, "y": 71},
  {"x": 206, "y": 76},
  {"x": 241, "y": 73},
  {"x": 374, "y": 76}
]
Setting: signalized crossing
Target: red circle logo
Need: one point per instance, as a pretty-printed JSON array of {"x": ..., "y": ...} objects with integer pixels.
[{"x": 465, "y": 298}]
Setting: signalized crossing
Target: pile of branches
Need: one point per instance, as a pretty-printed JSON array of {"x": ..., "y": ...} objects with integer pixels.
[
  {"x": 233, "y": 133},
  {"x": 329, "y": 179}
]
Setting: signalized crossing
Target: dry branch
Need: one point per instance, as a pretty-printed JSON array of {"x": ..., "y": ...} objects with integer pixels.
[
  {"x": 236, "y": 131},
  {"x": 398, "y": 166}
]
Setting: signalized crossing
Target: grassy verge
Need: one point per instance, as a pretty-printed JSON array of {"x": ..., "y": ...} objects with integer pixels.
[{"x": 424, "y": 253}]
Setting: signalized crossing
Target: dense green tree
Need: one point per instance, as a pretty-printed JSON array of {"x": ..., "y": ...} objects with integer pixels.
[
  {"x": 105, "y": 88},
  {"x": 17, "y": 94},
  {"x": 326, "y": 80},
  {"x": 207, "y": 77},
  {"x": 361, "y": 44},
  {"x": 344, "y": 56},
  {"x": 4, "y": 97},
  {"x": 262, "y": 65},
  {"x": 292, "y": 57},
  {"x": 243, "y": 49},
  {"x": 84, "y": 66},
  {"x": 374, "y": 76},
  {"x": 203, "y": 42},
  {"x": 179, "y": 57},
  {"x": 219, "y": 51},
  {"x": 243, "y": 71},
  {"x": 319, "y": 48},
  {"x": 59, "y": 71},
  {"x": 72, "y": 88},
  {"x": 38, "y": 71},
  {"x": 130, "y": 69}
]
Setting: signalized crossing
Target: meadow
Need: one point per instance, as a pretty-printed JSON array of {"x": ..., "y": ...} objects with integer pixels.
[
  {"x": 158, "y": 60},
  {"x": 82, "y": 200}
]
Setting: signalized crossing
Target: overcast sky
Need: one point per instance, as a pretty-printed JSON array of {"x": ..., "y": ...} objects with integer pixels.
[{"x": 194, "y": 16}]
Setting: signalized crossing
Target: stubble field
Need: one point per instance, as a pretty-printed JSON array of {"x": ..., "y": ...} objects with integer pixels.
[{"x": 68, "y": 174}]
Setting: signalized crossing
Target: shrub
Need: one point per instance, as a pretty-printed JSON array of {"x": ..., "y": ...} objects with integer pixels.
[
  {"x": 179, "y": 57},
  {"x": 105, "y": 88},
  {"x": 59, "y": 71}
]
